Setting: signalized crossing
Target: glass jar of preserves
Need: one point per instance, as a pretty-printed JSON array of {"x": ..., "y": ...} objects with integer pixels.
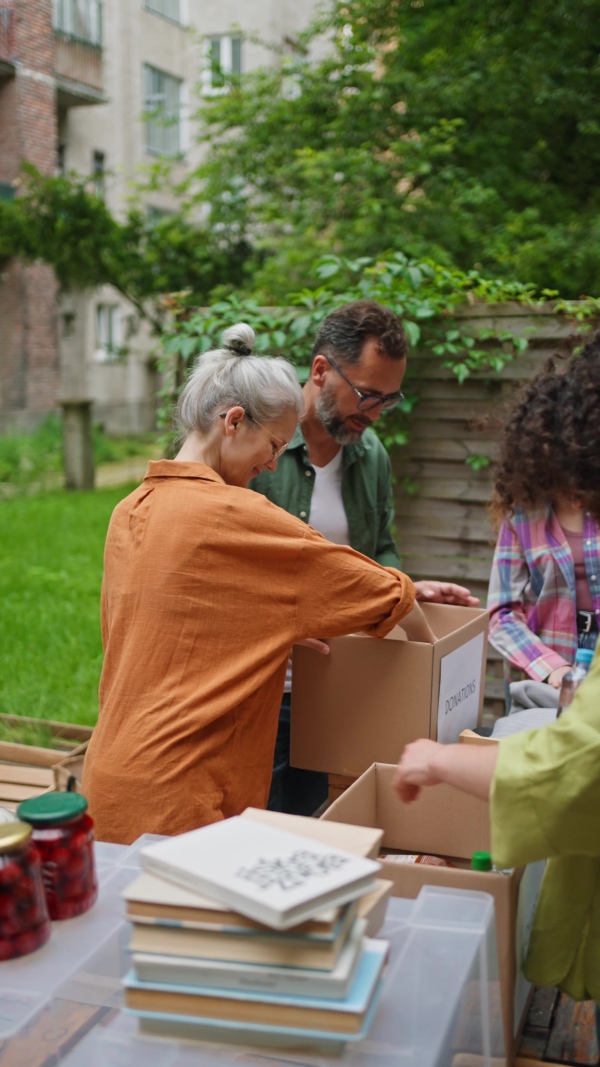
[
  {"x": 64, "y": 834},
  {"x": 24, "y": 922}
]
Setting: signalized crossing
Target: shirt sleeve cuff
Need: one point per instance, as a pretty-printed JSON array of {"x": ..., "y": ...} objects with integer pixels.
[
  {"x": 403, "y": 607},
  {"x": 540, "y": 668}
]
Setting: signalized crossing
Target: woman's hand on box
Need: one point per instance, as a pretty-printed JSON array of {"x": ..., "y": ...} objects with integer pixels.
[
  {"x": 316, "y": 644},
  {"x": 415, "y": 769},
  {"x": 467, "y": 767},
  {"x": 446, "y": 593}
]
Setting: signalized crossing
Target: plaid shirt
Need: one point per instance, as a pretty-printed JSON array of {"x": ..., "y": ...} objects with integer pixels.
[{"x": 532, "y": 597}]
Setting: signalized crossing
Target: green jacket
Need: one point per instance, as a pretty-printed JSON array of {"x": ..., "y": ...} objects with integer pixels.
[
  {"x": 545, "y": 802},
  {"x": 366, "y": 492}
]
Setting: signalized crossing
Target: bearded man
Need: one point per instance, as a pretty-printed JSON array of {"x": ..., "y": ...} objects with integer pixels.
[{"x": 336, "y": 475}]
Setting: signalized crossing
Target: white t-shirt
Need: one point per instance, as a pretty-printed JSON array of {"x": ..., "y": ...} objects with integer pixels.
[{"x": 326, "y": 515}]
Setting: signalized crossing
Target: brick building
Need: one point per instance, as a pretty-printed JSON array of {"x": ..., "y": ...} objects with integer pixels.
[
  {"x": 80, "y": 82},
  {"x": 29, "y": 360}
]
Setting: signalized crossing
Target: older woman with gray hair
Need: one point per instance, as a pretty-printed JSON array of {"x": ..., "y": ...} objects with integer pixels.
[{"x": 207, "y": 585}]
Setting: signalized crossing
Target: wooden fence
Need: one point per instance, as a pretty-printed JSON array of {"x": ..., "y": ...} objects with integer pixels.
[{"x": 443, "y": 528}]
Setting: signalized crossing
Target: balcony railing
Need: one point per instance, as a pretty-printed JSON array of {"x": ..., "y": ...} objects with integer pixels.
[
  {"x": 78, "y": 69},
  {"x": 7, "y": 31}
]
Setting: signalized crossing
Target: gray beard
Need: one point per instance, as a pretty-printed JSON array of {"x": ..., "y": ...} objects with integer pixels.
[{"x": 336, "y": 427}]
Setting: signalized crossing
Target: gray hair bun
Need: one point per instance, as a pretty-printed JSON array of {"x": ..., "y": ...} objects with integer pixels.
[
  {"x": 239, "y": 339},
  {"x": 265, "y": 386}
]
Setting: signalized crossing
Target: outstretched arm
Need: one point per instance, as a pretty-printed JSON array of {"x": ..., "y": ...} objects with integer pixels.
[
  {"x": 510, "y": 633},
  {"x": 425, "y": 763}
]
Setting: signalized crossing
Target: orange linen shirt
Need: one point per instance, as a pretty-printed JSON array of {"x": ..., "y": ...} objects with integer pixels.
[{"x": 206, "y": 588}]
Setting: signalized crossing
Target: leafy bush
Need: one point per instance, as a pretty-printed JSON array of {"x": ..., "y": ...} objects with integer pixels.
[
  {"x": 33, "y": 462},
  {"x": 29, "y": 462},
  {"x": 424, "y": 294}
]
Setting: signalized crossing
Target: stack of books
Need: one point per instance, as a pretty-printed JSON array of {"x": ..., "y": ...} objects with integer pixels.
[{"x": 249, "y": 933}]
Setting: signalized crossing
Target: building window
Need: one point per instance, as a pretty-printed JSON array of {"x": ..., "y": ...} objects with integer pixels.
[
  {"x": 223, "y": 57},
  {"x": 169, "y": 9},
  {"x": 108, "y": 333},
  {"x": 81, "y": 19},
  {"x": 61, "y": 158},
  {"x": 154, "y": 214},
  {"x": 162, "y": 106},
  {"x": 98, "y": 173}
]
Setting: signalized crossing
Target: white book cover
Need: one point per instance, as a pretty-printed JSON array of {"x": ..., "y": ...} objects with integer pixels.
[
  {"x": 221, "y": 974},
  {"x": 268, "y": 874},
  {"x": 148, "y": 889}
]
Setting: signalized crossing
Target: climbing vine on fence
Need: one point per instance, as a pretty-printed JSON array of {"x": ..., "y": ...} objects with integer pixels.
[{"x": 424, "y": 294}]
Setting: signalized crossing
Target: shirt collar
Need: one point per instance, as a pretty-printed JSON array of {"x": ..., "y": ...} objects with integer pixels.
[
  {"x": 350, "y": 452},
  {"x": 171, "y": 468}
]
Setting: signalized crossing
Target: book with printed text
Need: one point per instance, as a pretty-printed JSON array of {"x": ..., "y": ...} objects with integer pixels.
[
  {"x": 153, "y": 899},
  {"x": 223, "y": 974},
  {"x": 281, "y": 950},
  {"x": 343, "y": 1016},
  {"x": 273, "y": 876}
]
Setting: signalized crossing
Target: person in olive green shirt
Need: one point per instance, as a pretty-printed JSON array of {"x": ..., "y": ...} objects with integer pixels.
[
  {"x": 336, "y": 475},
  {"x": 544, "y": 792}
]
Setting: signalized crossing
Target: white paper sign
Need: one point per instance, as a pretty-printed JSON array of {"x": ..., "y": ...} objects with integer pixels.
[{"x": 460, "y": 683}]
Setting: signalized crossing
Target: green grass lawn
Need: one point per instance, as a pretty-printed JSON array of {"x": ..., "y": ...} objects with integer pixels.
[{"x": 51, "y": 549}]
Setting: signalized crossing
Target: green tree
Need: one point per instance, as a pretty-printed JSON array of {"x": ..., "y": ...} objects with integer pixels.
[
  {"x": 451, "y": 129},
  {"x": 59, "y": 221}
]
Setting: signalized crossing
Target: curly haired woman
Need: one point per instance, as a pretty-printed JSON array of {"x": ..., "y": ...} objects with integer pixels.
[
  {"x": 543, "y": 785},
  {"x": 544, "y": 594}
]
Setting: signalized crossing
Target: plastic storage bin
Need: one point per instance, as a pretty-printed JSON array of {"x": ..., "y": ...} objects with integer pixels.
[{"x": 440, "y": 1003}]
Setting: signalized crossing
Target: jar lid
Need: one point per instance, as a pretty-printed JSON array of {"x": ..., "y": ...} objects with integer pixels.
[
  {"x": 481, "y": 861},
  {"x": 14, "y": 835},
  {"x": 51, "y": 808}
]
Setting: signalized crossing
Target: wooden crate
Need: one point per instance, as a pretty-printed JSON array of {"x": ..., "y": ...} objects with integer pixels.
[{"x": 28, "y": 770}]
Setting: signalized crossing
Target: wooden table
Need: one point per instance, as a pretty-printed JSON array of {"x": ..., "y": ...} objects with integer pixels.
[{"x": 558, "y": 1030}]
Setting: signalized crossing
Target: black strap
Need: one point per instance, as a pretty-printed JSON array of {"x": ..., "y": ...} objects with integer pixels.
[{"x": 586, "y": 622}]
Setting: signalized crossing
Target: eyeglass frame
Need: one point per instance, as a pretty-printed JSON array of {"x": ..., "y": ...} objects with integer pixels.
[
  {"x": 277, "y": 452},
  {"x": 387, "y": 403}
]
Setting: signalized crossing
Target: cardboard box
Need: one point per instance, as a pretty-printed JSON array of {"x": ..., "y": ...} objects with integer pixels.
[
  {"x": 69, "y": 772},
  {"x": 449, "y": 823},
  {"x": 468, "y": 737},
  {"x": 368, "y": 698}
]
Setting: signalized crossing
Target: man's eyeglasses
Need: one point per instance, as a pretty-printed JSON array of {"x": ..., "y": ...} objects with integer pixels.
[
  {"x": 277, "y": 446},
  {"x": 369, "y": 401}
]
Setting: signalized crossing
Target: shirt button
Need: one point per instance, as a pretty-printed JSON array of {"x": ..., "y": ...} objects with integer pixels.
[
  {"x": 588, "y": 542},
  {"x": 593, "y": 577},
  {"x": 308, "y": 473},
  {"x": 302, "y": 514}
]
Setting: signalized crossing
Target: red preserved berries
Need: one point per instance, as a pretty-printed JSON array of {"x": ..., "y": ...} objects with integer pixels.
[
  {"x": 64, "y": 834},
  {"x": 24, "y": 922}
]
